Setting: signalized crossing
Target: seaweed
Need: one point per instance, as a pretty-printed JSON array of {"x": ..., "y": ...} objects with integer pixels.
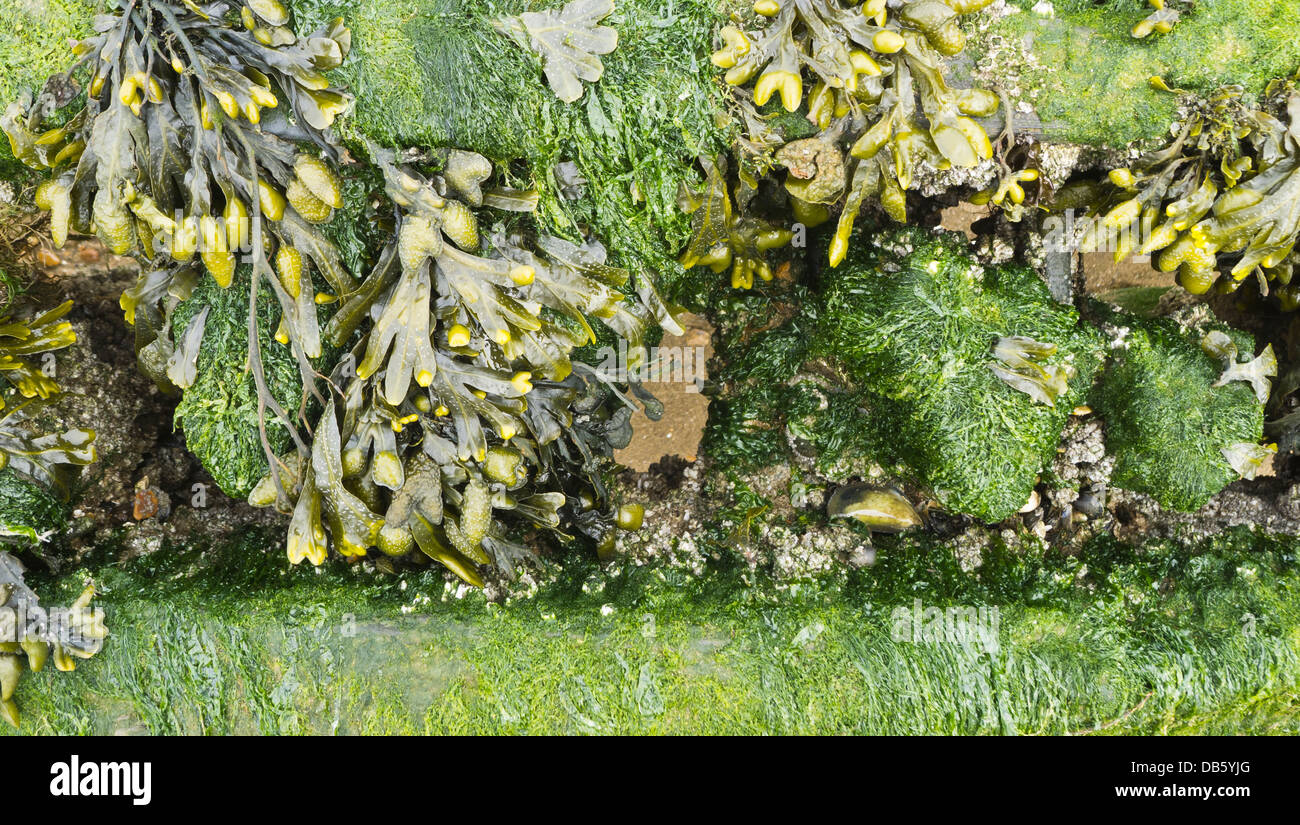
[
  {"x": 455, "y": 396},
  {"x": 34, "y": 455},
  {"x": 31, "y": 634},
  {"x": 917, "y": 323},
  {"x": 183, "y": 155},
  {"x": 569, "y": 42},
  {"x": 869, "y": 69},
  {"x": 1176, "y": 432},
  {"x": 32, "y": 489},
  {"x": 28, "y": 512},
  {"x": 465, "y": 409},
  {"x": 1164, "y": 15},
  {"x": 441, "y": 73},
  {"x": 218, "y": 411},
  {"x": 725, "y": 235},
  {"x": 1217, "y": 203}
]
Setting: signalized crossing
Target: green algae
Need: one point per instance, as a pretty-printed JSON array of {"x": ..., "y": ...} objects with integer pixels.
[
  {"x": 437, "y": 73},
  {"x": 1089, "y": 78},
  {"x": 34, "y": 45},
  {"x": 219, "y": 413},
  {"x": 434, "y": 73},
  {"x": 1166, "y": 423},
  {"x": 915, "y": 327},
  {"x": 1174, "y": 638},
  {"x": 224, "y": 639},
  {"x": 28, "y": 511},
  {"x": 34, "y": 39}
]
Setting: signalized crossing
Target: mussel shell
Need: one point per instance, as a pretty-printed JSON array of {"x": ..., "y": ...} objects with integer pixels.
[{"x": 880, "y": 508}]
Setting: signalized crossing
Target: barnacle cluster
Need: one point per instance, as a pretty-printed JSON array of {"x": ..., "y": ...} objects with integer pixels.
[
  {"x": 865, "y": 68},
  {"x": 1218, "y": 204},
  {"x": 465, "y": 401}
]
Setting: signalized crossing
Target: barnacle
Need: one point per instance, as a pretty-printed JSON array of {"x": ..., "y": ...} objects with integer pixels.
[
  {"x": 30, "y": 635},
  {"x": 1220, "y": 198},
  {"x": 466, "y": 412}
]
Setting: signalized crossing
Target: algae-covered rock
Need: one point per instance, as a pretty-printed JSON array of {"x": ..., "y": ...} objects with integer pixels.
[
  {"x": 932, "y": 336},
  {"x": 218, "y": 412},
  {"x": 441, "y": 73},
  {"x": 776, "y": 407},
  {"x": 432, "y": 73},
  {"x": 27, "y": 511},
  {"x": 1166, "y": 423},
  {"x": 1077, "y": 63},
  {"x": 742, "y": 430}
]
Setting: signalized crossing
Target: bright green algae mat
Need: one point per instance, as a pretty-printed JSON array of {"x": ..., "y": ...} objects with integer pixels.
[
  {"x": 34, "y": 41},
  {"x": 438, "y": 73},
  {"x": 34, "y": 38},
  {"x": 27, "y": 510},
  {"x": 1114, "y": 640},
  {"x": 1092, "y": 77}
]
